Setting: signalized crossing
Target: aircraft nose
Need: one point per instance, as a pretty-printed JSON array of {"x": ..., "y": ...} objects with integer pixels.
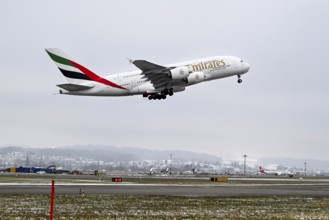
[{"x": 247, "y": 66}]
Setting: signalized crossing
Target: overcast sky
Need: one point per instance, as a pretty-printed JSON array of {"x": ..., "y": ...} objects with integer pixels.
[{"x": 280, "y": 109}]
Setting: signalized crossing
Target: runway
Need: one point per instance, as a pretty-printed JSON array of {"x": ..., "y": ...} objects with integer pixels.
[
  {"x": 166, "y": 186},
  {"x": 226, "y": 190}
]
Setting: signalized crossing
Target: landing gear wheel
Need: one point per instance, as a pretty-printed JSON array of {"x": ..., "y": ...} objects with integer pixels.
[
  {"x": 157, "y": 96},
  {"x": 239, "y": 79},
  {"x": 170, "y": 92}
]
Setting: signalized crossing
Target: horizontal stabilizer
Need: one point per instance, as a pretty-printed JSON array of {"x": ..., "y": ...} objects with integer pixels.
[{"x": 73, "y": 87}]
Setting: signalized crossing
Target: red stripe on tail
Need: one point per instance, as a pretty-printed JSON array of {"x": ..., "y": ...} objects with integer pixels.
[{"x": 95, "y": 77}]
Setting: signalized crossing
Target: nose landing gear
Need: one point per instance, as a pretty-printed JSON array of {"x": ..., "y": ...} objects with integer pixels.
[{"x": 239, "y": 79}]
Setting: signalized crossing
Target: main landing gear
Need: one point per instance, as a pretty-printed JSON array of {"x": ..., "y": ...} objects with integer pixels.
[
  {"x": 239, "y": 79},
  {"x": 159, "y": 96}
]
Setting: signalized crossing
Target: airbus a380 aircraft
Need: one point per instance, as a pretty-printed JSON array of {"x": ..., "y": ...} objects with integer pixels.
[{"x": 151, "y": 80}]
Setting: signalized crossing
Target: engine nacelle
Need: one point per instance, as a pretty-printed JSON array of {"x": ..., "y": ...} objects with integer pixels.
[
  {"x": 195, "y": 77},
  {"x": 179, "y": 72}
]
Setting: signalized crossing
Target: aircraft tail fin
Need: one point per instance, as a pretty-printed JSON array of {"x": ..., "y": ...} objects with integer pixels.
[
  {"x": 74, "y": 72},
  {"x": 261, "y": 169}
]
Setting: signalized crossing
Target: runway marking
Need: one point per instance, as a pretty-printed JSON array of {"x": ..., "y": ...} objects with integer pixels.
[{"x": 166, "y": 185}]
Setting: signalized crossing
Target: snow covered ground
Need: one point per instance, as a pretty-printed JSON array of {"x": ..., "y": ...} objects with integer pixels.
[{"x": 162, "y": 207}]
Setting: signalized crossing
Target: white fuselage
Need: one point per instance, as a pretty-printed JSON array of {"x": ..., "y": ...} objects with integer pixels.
[{"x": 135, "y": 83}]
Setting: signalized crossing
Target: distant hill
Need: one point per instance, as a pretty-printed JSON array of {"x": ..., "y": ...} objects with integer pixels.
[{"x": 112, "y": 153}]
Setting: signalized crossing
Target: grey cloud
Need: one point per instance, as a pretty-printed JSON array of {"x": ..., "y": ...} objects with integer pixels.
[{"x": 280, "y": 108}]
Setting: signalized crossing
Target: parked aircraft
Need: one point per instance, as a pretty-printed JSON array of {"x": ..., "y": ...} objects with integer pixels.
[
  {"x": 151, "y": 80},
  {"x": 164, "y": 171},
  {"x": 269, "y": 172},
  {"x": 275, "y": 172}
]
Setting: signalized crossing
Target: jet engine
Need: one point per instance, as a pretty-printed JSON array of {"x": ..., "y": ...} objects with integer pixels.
[
  {"x": 179, "y": 72},
  {"x": 195, "y": 77}
]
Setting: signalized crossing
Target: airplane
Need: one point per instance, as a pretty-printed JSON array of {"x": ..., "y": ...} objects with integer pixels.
[
  {"x": 152, "y": 81},
  {"x": 275, "y": 172},
  {"x": 164, "y": 171},
  {"x": 269, "y": 172}
]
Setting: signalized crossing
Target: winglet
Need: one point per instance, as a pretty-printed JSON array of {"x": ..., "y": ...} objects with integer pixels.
[{"x": 130, "y": 60}]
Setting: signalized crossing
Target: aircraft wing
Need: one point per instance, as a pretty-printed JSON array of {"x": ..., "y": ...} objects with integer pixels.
[
  {"x": 147, "y": 66},
  {"x": 157, "y": 74}
]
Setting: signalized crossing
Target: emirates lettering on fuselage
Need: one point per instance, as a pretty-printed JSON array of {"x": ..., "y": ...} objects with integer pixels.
[{"x": 213, "y": 64}]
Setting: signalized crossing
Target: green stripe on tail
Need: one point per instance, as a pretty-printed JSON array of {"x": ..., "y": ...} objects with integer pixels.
[{"x": 59, "y": 59}]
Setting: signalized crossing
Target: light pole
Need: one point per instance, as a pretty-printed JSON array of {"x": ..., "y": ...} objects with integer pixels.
[
  {"x": 244, "y": 167},
  {"x": 305, "y": 169},
  {"x": 170, "y": 163}
]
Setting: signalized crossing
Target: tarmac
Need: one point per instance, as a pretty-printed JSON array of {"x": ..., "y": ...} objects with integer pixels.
[{"x": 236, "y": 187}]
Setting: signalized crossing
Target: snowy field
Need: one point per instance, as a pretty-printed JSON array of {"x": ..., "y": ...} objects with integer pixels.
[{"x": 162, "y": 207}]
